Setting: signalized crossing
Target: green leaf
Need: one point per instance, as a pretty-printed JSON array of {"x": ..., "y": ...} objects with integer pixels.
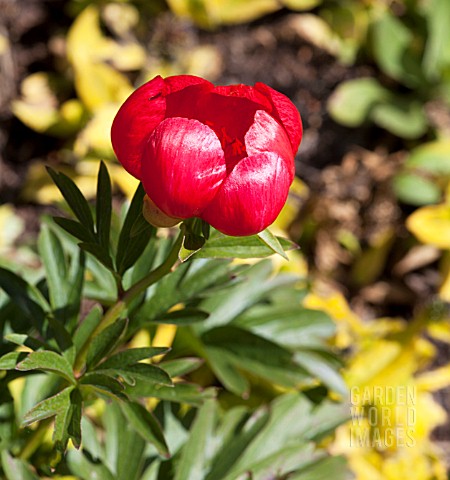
[
  {"x": 124, "y": 447},
  {"x": 85, "y": 469},
  {"x": 103, "y": 207},
  {"x": 192, "y": 463},
  {"x": 11, "y": 359},
  {"x": 105, "y": 342},
  {"x": 24, "y": 340},
  {"x": 146, "y": 425},
  {"x": 325, "y": 418},
  {"x": 185, "y": 316},
  {"x": 139, "y": 371},
  {"x": 136, "y": 247},
  {"x": 162, "y": 296},
  {"x": 329, "y": 467},
  {"x": 38, "y": 387},
  {"x": 431, "y": 158},
  {"x": 74, "y": 424},
  {"x": 25, "y": 296},
  {"x": 48, "y": 361},
  {"x": 91, "y": 441},
  {"x": 318, "y": 366},
  {"x": 180, "y": 366},
  {"x": 87, "y": 327},
  {"x": 185, "y": 254},
  {"x": 75, "y": 229},
  {"x": 251, "y": 353},
  {"x": 290, "y": 326},
  {"x": 178, "y": 392},
  {"x": 436, "y": 56},
  {"x": 301, "y": 5},
  {"x": 103, "y": 286},
  {"x": 223, "y": 246},
  {"x": 391, "y": 47},
  {"x": 103, "y": 384},
  {"x": 288, "y": 423},
  {"x": 57, "y": 405},
  {"x": 352, "y": 101},
  {"x": 74, "y": 198},
  {"x": 203, "y": 274},
  {"x": 235, "y": 434},
  {"x": 131, "y": 245},
  {"x": 139, "y": 226},
  {"x": 272, "y": 242},
  {"x": 71, "y": 312},
  {"x": 402, "y": 117},
  {"x": 132, "y": 356},
  {"x": 227, "y": 305},
  {"x": 227, "y": 373},
  {"x": 16, "y": 469},
  {"x": 52, "y": 254},
  {"x": 280, "y": 463},
  {"x": 239, "y": 247},
  {"x": 63, "y": 339},
  {"x": 414, "y": 189},
  {"x": 8, "y": 412},
  {"x": 99, "y": 252}
]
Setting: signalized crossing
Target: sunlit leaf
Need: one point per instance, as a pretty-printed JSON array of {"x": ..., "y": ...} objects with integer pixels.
[
  {"x": 222, "y": 246},
  {"x": 431, "y": 225},
  {"x": 352, "y": 101},
  {"x": 401, "y": 117},
  {"x": 415, "y": 189},
  {"x": 436, "y": 55},
  {"x": 97, "y": 83},
  {"x": 431, "y": 157},
  {"x": 391, "y": 39}
]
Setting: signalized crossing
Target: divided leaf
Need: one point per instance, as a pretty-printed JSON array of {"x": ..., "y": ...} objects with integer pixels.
[
  {"x": 48, "y": 361},
  {"x": 65, "y": 406},
  {"x": 74, "y": 198}
]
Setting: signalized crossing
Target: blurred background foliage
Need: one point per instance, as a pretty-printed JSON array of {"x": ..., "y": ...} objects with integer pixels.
[{"x": 370, "y": 207}]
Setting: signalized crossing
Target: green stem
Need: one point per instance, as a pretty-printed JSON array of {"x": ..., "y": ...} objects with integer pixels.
[{"x": 116, "y": 310}]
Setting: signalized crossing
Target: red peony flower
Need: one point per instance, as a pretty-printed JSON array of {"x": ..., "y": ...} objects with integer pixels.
[{"x": 224, "y": 154}]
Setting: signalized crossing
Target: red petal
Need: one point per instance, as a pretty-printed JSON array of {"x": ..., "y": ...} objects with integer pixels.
[
  {"x": 251, "y": 197},
  {"x": 179, "y": 82},
  {"x": 183, "y": 167},
  {"x": 187, "y": 102},
  {"x": 267, "y": 135},
  {"x": 286, "y": 112},
  {"x": 244, "y": 91},
  {"x": 135, "y": 121}
]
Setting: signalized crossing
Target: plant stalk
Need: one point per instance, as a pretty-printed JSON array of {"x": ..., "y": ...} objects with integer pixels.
[{"x": 116, "y": 310}]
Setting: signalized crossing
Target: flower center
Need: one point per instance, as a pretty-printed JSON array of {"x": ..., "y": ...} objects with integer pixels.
[{"x": 233, "y": 147}]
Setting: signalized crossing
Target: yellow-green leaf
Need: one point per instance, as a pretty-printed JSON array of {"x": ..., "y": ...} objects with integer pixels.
[{"x": 431, "y": 225}]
